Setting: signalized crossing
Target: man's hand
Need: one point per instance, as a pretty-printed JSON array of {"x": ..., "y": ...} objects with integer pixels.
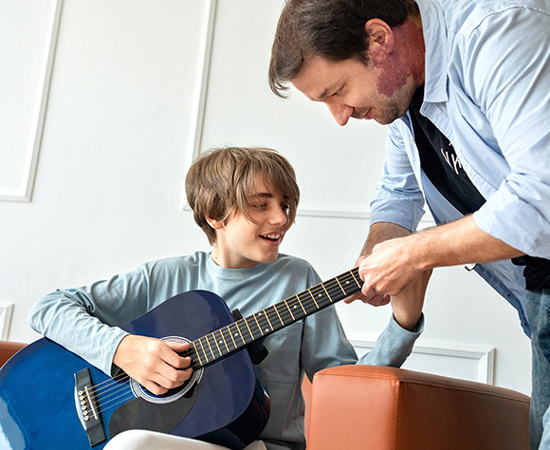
[
  {"x": 379, "y": 232},
  {"x": 391, "y": 267},
  {"x": 377, "y": 300},
  {"x": 153, "y": 363}
]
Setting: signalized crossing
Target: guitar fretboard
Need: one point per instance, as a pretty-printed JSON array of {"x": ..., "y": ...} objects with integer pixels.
[{"x": 230, "y": 338}]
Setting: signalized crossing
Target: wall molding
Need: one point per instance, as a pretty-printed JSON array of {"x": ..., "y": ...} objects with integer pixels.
[
  {"x": 24, "y": 192},
  {"x": 6, "y": 310},
  {"x": 483, "y": 356},
  {"x": 201, "y": 90}
]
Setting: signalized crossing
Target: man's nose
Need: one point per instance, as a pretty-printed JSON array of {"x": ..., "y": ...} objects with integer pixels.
[{"x": 341, "y": 113}]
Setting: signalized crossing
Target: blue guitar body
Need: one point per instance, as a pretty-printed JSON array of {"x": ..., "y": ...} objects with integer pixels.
[{"x": 224, "y": 404}]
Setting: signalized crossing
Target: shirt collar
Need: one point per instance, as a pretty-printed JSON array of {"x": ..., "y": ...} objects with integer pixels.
[{"x": 435, "y": 39}]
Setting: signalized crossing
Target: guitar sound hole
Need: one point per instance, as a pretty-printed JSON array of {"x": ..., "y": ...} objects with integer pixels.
[{"x": 173, "y": 394}]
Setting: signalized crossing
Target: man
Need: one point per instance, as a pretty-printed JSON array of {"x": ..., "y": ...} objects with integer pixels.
[{"x": 464, "y": 88}]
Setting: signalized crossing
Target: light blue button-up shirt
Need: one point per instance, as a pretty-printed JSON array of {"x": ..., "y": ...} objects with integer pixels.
[{"x": 487, "y": 89}]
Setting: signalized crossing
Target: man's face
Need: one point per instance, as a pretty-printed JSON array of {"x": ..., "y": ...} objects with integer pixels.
[{"x": 380, "y": 91}]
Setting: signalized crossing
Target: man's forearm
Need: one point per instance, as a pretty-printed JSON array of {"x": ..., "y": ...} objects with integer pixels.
[
  {"x": 382, "y": 231},
  {"x": 393, "y": 264},
  {"x": 459, "y": 242}
]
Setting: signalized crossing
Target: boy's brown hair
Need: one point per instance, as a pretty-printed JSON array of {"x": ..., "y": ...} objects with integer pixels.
[{"x": 220, "y": 181}]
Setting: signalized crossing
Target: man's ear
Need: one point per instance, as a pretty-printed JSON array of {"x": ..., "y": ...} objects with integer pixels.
[
  {"x": 380, "y": 39},
  {"x": 214, "y": 223}
]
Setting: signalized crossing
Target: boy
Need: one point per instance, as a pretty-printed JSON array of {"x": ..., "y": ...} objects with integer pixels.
[{"x": 245, "y": 199}]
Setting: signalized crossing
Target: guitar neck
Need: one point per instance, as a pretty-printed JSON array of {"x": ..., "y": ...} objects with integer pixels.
[{"x": 214, "y": 346}]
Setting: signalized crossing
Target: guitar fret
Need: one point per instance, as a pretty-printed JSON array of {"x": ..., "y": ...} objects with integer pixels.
[
  {"x": 249, "y": 330},
  {"x": 238, "y": 326},
  {"x": 359, "y": 285},
  {"x": 203, "y": 350},
  {"x": 321, "y": 294},
  {"x": 257, "y": 326},
  {"x": 210, "y": 346},
  {"x": 340, "y": 285},
  {"x": 268, "y": 321},
  {"x": 314, "y": 301},
  {"x": 279, "y": 316},
  {"x": 213, "y": 337},
  {"x": 325, "y": 289},
  {"x": 196, "y": 351},
  {"x": 300, "y": 303},
  {"x": 284, "y": 313},
  {"x": 229, "y": 332},
  {"x": 275, "y": 318},
  {"x": 222, "y": 341},
  {"x": 289, "y": 310},
  {"x": 351, "y": 284},
  {"x": 307, "y": 306}
]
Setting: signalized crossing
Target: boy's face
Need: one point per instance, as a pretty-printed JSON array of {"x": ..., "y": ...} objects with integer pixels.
[{"x": 241, "y": 242}]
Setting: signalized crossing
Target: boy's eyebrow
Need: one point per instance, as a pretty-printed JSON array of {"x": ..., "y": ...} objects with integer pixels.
[
  {"x": 262, "y": 195},
  {"x": 258, "y": 195}
]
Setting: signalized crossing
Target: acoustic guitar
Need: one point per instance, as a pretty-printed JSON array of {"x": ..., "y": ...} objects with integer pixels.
[{"x": 51, "y": 398}]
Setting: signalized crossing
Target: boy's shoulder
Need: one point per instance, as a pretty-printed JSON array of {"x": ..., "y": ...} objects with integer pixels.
[
  {"x": 194, "y": 260},
  {"x": 292, "y": 265}
]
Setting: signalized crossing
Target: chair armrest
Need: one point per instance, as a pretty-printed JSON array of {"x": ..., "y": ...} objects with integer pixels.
[
  {"x": 8, "y": 349},
  {"x": 384, "y": 408}
]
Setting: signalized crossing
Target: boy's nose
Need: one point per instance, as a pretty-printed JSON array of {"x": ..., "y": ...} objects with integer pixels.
[{"x": 279, "y": 217}]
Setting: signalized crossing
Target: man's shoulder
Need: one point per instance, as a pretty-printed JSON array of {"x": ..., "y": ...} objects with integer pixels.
[{"x": 468, "y": 16}]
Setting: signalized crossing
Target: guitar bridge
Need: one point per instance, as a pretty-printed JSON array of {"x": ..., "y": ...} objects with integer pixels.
[{"x": 87, "y": 408}]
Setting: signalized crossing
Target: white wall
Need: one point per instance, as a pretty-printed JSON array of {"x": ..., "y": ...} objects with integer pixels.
[{"x": 128, "y": 104}]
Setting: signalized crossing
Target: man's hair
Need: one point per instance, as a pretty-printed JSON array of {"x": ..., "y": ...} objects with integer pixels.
[
  {"x": 332, "y": 29},
  {"x": 221, "y": 181}
]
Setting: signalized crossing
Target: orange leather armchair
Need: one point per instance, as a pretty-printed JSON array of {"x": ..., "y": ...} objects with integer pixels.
[
  {"x": 8, "y": 349},
  {"x": 383, "y": 408}
]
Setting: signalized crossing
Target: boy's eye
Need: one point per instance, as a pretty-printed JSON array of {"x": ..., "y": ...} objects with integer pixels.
[
  {"x": 259, "y": 206},
  {"x": 285, "y": 208}
]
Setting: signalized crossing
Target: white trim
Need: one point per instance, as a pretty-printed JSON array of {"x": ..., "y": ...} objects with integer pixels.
[
  {"x": 201, "y": 89},
  {"x": 483, "y": 355},
  {"x": 24, "y": 192},
  {"x": 6, "y": 309},
  {"x": 311, "y": 210},
  {"x": 347, "y": 212}
]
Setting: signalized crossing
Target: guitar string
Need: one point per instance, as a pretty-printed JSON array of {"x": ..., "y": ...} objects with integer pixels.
[{"x": 108, "y": 387}]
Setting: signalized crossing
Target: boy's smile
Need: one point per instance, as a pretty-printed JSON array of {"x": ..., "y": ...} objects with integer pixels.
[{"x": 243, "y": 242}]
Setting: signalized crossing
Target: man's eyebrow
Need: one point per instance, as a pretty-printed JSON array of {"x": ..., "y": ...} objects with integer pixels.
[{"x": 320, "y": 97}]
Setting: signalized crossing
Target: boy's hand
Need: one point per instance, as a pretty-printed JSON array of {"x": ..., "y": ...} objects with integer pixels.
[
  {"x": 407, "y": 306},
  {"x": 153, "y": 363}
]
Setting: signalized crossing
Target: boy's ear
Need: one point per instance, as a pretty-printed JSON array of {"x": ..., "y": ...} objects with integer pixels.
[{"x": 214, "y": 223}]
